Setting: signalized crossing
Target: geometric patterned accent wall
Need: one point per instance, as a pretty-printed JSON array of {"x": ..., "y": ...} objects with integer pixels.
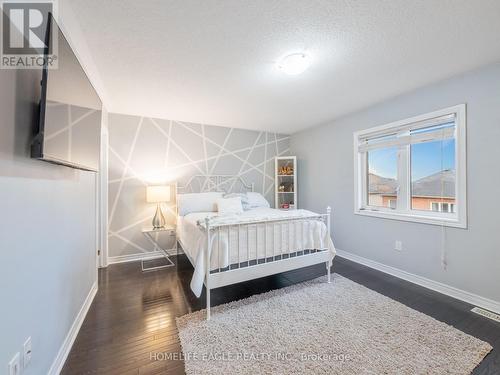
[{"x": 145, "y": 151}]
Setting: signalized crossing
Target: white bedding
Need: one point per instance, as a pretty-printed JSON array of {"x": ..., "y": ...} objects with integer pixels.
[{"x": 288, "y": 238}]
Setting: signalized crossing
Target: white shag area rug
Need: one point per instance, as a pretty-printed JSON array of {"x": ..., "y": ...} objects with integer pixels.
[{"x": 320, "y": 328}]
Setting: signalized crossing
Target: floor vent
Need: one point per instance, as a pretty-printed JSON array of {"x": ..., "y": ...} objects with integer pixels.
[{"x": 486, "y": 313}]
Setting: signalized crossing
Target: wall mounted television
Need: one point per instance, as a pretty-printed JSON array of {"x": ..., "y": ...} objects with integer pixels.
[{"x": 69, "y": 127}]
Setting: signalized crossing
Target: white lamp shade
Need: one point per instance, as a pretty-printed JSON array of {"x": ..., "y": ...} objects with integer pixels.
[{"x": 159, "y": 193}]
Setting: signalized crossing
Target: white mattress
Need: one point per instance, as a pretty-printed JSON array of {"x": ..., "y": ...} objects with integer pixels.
[{"x": 258, "y": 242}]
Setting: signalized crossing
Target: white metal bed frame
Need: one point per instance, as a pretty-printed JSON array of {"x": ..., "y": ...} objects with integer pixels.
[{"x": 244, "y": 271}]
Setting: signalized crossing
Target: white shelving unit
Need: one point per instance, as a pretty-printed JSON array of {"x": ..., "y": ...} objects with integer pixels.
[{"x": 285, "y": 183}]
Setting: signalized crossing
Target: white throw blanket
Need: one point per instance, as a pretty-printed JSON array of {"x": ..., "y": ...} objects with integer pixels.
[{"x": 262, "y": 238}]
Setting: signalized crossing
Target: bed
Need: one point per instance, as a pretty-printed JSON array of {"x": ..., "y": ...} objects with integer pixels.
[{"x": 260, "y": 241}]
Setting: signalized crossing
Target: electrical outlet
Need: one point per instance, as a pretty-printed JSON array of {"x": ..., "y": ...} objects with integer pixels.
[
  {"x": 27, "y": 352},
  {"x": 15, "y": 365},
  {"x": 398, "y": 245}
]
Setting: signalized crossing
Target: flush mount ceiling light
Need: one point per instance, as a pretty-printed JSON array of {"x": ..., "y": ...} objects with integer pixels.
[{"x": 295, "y": 63}]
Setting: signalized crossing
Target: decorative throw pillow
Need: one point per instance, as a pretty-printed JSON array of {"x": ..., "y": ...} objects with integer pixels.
[
  {"x": 244, "y": 199},
  {"x": 229, "y": 206},
  {"x": 256, "y": 200}
]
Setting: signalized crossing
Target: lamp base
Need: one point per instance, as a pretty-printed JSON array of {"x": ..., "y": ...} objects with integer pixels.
[{"x": 158, "y": 219}]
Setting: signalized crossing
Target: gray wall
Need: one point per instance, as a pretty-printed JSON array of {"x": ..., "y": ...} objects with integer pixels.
[
  {"x": 325, "y": 170},
  {"x": 47, "y": 234},
  {"x": 144, "y": 150}
]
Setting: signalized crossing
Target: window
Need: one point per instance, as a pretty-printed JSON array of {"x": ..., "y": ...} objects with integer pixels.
[
  {"x": 392, "y": 203},
  {"x": 442, "y": 207},
  {"x": 380, "y": 181},
  {"x": 414, "y": 169}
]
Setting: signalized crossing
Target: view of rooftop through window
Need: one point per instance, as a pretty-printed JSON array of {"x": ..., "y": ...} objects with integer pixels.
[
  {"x": 382, "y": 177},
  {"x": 432, "y": 176}
]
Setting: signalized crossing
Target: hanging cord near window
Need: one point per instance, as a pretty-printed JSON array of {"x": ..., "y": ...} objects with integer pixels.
[{"x": 444, "y": 255}]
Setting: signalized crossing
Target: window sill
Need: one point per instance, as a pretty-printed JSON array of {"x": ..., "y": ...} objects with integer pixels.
[{"x": 421, "y": 219}]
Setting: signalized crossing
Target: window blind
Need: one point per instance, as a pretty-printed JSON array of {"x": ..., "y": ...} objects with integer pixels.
[{"x": 440, "y": 128}]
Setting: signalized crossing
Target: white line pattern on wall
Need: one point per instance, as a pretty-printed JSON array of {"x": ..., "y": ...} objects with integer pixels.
[
  {"x": 251, "y": 167},
  {"x": 140, "y": 147},
  {"x": 117, "y": 197}
]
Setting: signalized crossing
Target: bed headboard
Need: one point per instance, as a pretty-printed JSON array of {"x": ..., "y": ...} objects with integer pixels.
[{"x": 223, "y": 183}]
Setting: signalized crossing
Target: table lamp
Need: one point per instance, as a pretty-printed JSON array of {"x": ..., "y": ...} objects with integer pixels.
[{"x": 158, "y": 194}]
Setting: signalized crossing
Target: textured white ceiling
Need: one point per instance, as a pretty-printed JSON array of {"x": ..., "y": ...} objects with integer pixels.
[{"x": 213, "y": 61}]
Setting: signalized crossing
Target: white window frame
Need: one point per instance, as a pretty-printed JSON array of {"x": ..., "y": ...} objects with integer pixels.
[{"x": 403, "y": 210}]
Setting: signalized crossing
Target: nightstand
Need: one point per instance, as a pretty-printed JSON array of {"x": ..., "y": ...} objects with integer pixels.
[{"x": 152, "y": 235}]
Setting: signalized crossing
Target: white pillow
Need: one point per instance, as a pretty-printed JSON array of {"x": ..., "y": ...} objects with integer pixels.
[
  {"x": 256, "y": 200},
  {"x": 197, "y": 202},
  {"x": 243, "y": 196},
  {"x": 228, "y": 206}
]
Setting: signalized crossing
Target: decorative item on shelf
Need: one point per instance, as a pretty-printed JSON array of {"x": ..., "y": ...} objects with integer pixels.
[
  {"x": 158, "y": 194},
  {"x": 285, "y": 182},
  {"x": 286, "y": 171}
]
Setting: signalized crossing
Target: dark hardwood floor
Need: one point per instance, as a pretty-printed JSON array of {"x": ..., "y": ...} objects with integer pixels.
[{"x": 133, "y": 314}]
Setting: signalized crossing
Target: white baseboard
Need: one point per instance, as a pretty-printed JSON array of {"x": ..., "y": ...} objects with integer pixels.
[
  {"x": 141, "y": 256},
  {"x": 451, "y": 291},
  {"x": 63, "y": 353}
]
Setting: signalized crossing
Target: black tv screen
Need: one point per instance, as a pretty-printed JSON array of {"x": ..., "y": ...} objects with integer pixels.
[{"x": 69, "y": 125}]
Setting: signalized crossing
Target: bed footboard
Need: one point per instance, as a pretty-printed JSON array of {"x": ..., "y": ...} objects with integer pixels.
[{"x": 266, "y": 253}]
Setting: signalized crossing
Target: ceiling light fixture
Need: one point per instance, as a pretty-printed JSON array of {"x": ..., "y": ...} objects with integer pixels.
[{"x": 295, "y": 63}]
